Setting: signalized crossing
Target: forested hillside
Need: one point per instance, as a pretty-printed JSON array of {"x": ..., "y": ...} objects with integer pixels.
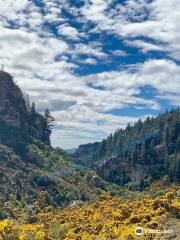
[{"x": 140, "y": 153}]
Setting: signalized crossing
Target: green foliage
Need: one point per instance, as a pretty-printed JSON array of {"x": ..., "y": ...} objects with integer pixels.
[
  {"x": 3, "y": 214},
  {"x": 7, "y": 154},
  {"x": 43, "y": 181},
  {"x": 52, "y": 159},
  {"x": 58, "y": 230},
  {"x": 22, "y": 178},
  {"x": 173, "y": 167}
]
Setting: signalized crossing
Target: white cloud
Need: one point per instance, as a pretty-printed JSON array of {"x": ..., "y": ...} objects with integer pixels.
[
  {"x": 89, "y": 50},
  {"x": 173, "y": 98},
  {"x": 144, "y": 46},
  {"x": 90, "y": 61},
  {"x": 69, "y": 32},
  {"x": 120, "y": 53}
]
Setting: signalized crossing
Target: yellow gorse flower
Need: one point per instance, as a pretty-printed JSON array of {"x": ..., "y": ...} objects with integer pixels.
[{"x": 40, "y": 235}]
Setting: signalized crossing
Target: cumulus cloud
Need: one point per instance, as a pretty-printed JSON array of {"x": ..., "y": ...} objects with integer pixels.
[
  {"x": 119, "y": 53},
  {"x": 69, "y": 32}
]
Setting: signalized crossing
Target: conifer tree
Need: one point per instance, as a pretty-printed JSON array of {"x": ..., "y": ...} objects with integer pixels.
[{"x": 48, "y": 124}]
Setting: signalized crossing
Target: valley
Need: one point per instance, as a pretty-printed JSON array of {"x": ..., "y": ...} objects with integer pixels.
[{"x": 99, "y": 191}]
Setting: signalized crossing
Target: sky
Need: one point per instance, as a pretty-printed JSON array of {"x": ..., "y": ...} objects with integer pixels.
[{"x": 96, "y": 64}]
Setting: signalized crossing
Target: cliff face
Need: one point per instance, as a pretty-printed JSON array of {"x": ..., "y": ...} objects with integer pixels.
[
  {"x": 16, "y": 120},
  {"x": 12, "y": 105},
  {"x": 122, "y": 172}
]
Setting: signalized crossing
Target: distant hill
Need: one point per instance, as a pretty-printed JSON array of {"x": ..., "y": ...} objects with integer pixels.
[
  {"x": 70, "y": 151},
  {"x": 138, "y": 154}
]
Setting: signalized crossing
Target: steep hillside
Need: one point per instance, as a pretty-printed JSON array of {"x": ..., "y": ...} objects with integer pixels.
[
  {"x": 19, "y": 120},
  {"x": 46, "y": 170},
  {"x": 138, "y": 154}
]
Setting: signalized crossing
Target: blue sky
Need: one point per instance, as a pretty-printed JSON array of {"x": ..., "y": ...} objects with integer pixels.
[{"x": 96, "y": 64}]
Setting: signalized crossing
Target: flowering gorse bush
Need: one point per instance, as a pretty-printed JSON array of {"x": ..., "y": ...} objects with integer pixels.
[{"x": 107, "y": 218}]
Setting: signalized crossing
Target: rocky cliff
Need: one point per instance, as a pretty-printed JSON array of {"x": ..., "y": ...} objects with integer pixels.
[
  {"x": 12, "y": 105},
  {"x": 18, "y": 123}
]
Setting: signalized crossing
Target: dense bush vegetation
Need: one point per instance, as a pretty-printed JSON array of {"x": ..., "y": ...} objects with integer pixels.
[{"x": 106, "y": 218}]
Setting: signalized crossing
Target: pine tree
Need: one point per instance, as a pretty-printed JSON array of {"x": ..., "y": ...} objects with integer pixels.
[
  {"x": 33, "y": 111},
  {"x": 177, "y": 169},
  {"x": 178, "y": 144},
  {"x": 32, "y": 116},
  {"x": 134, "y": 158},
  {"x": 48, "y": 124},
  {"x": 27, "y": 102},
  {"x": 143, "y": 154},
  {"x": 171, "y": 168}
]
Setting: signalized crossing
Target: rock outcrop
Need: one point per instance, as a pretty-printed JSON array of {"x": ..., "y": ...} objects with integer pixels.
[
  {"x": 12, "y": 105},
  {"x": 17, "y": 121}
]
